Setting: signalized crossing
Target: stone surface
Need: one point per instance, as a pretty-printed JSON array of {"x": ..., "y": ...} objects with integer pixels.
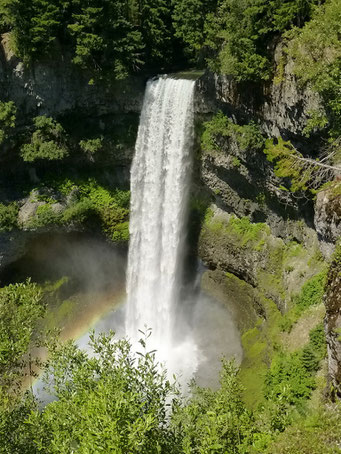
[
  {"x": 328, "y": 217},
  {"x": 56, "y": 87},
  {"x": 274, "y": 267},
  {"x": 234, "y": 293},
  {"x": 332, "y": 301},
  {"x": 282, "y": 107}
]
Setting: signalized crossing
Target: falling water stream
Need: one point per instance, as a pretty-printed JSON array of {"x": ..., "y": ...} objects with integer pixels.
[
  {"x": 190, "y": 331},
  {"x": 159, "y": 199}
]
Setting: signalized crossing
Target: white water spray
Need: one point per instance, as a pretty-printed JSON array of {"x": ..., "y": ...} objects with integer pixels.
[{"x": 159, "y": 198}]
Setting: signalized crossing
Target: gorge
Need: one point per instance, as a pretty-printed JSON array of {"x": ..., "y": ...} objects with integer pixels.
[{"x": 200, "y": 193}]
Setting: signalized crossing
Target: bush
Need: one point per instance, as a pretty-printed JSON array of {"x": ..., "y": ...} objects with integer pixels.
[
  {"x": 289, "y": 379},
  {"x": 78, "y": 212},
  {"x": 48, "y": 141},
  {"x": 248, "y": 137},
  {"x": 113, "y": 402},
  {"x": 91, "y": 146},
  {"x": 312, "y": 292},
  {"x": 45, "y": 215},
  {"x": 215, "y": 421},
  {"x": 8, "y": 217},
  {"x": 7, "y": 118},
  {"x": 318, "y": 433},
  {"x": 20, "y": 308}
]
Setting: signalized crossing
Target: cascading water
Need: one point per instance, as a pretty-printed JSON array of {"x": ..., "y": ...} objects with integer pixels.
[{"x": 159, "y": 197}]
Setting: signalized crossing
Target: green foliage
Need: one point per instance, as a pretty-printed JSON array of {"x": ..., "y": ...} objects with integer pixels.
[
  {"x": 247, "y": 231},
  {"x": 8, "y": 217},
  {"x": 154, "y": 21},
  {"x": 189, "y": 21},
  {"x": 111, "y": 38},
  {"x": 318, "y": 433},
  {"x": 240, "y": 32},
  {"x": 20, "y": 308},
  {"x": 312, "y": 292},
  {"x": 79, "y": 212},
  {"x": 248, "y": 137},
  {"x": 90, "y": 203},
  {"x": 7, "y": 118},
  {"x": 291, "y": 375},
  {"x": 115, "y": 401},
  {"x": 44, "y": 215},
  {"x": 317, "y": 121},
  {"x": 105, "y": 39},
  {"x": 91, "y": 146},
  {"x": 288, "y": 164},
  {"x": 289, "y": 378},
  {"x": 316, "y": 49},
  {"x": 47, "y": 143},
  {"x": 215, "y": 421},
  {"x": 34, "y": 25}
]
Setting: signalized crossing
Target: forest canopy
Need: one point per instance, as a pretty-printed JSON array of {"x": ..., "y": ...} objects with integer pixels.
[{"x": 125, "y": 36}]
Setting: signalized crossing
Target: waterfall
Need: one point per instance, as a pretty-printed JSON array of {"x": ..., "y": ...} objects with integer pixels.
[{"x": 159, "y": 197}]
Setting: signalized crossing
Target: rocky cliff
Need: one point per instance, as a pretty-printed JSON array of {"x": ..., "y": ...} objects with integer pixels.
[
  {"x": 332, "y": 301},
  {"x": 257, "y": 240}
]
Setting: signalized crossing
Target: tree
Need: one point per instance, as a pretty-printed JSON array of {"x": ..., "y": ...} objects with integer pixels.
[
  {"x": 47, "y": 141},
  {"x": 105, "y": 40},
  {"x": 114, "y": 401},
  {"x": 7, "y": 118},
  {"x": 188, "y": 21},
  {"x": 304, "y": 173},
  {"x": 215, "y": 421},
  {"x": 316, "y": 50},
  {"x": 240, "y": 32},
  {"x": 34, "y": 25}
]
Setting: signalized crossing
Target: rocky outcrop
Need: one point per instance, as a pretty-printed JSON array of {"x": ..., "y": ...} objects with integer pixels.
[
  {"x": 281, "y": 107},
  {"x": 12, "y": 247},
  {"x": 56, "y": 87},
  {"x": 243, "y": 182},
  {"x": 332, "y": 301},
  {"x": 328, "y": 216},
  {"x": 275, "y": 268}
]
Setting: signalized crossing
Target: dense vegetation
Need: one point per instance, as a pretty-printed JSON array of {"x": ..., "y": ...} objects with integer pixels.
[
  {"x": 114, "y": 400},
  {"x": 123, "y": 36},
  {"x": 118, "y": 401}
]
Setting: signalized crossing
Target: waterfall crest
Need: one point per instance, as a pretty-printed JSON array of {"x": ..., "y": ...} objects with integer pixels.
[{"x": 159, "y": 197}]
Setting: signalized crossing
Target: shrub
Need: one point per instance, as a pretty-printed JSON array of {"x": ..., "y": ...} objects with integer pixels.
[
  {"x": 312, "y": 292},
  {"x": 8, "y": 217},
  {"x": 248, "y": 137},
  {"x": 91, "y": 146},
  {"x": 78, "y": 212},
  {"x": 45, "y": 215},
  {"x": 48, "y": 141},
  {"x": 7, "y": 118},
  {"x": 20, "y": 307},
  {"x": 288, "y": 378}
]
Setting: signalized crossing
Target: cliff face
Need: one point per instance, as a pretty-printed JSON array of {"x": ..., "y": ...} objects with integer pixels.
[
  {"x": 274, "y": 261},
  {"x": 57, "y": 87},
  {"x": 270, "y": 262},
  {"x": 332, "y": 301}
]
